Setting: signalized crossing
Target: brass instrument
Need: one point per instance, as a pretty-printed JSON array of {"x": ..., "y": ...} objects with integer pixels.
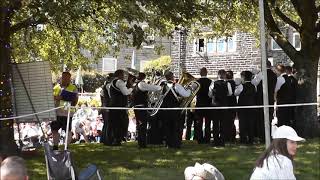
[
  {"x": 155, "y": 97},
  {"x": 188, "y": 82}
]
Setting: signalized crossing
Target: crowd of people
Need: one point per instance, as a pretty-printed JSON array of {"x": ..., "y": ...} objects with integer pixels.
[
  {"x": 211, "y": 126},
  {"x": 86, "y": 126},
  {"x": 166, "y": 126}
]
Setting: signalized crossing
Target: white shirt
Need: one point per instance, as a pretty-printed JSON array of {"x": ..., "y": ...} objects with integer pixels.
[
  {"x": 143, "y": 86},
  {"x": 211, "y": 87},
  {"x": 279, "y": 167},
  {"x": 120, "y": 84},
  {"x": 257, "y": 78},
  {"x": 238, "y": 90},
  {"x": 108, "y": 89},
  {"x": 180, "y": 90},
  {"x": 280, "y": 82}
]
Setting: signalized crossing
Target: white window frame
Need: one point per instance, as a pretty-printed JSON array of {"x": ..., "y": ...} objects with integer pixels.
[
  {"x": 214, "y": 42},
  {"x": 294, "y": 40},
  {"x": 272, "y": 43},
  {"x": 108, "y": 59},
  {"x": 224, "y": 43},
  {"x": 234, "y": 44},
  {"x": 196, "y": 46}
]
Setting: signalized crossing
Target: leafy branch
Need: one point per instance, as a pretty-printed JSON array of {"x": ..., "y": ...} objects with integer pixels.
[
  {"x": 287, "y": 19},
  {"x": 276, "y": 33}
]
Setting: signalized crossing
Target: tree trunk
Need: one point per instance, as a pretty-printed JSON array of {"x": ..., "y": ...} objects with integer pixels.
[
  {"x": 306, "y": 116},
  {"x": 7, "y": 144}
]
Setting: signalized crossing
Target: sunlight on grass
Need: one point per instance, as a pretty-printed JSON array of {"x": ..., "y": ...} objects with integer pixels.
[{"x": 158, "y": 163}]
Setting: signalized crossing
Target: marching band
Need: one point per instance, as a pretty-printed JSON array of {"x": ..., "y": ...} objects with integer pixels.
[{"x": 215, "y": 127}]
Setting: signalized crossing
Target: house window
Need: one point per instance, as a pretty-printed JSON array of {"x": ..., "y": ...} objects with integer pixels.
[
  {"x": 199, "y": 45},
  {"x": 150, "y": 39},
  {"x": 274, "y": 45},
  {"x": 211, "y": 46},
  {"x": 109, "y": 64},
  {"x": 296, "y": 41},
  {"x": 231, "y": 44},
  {"x": 221, "y": 45}
]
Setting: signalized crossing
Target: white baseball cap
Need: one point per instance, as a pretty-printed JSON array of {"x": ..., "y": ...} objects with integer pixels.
[{"x": 287, "y": 132}]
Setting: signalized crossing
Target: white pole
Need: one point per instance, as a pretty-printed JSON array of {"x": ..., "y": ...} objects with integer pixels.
[
  {"x": 67, "y": 130},
  {"x": 264, "y": 72},
  {"x": 179, "y": 60}
]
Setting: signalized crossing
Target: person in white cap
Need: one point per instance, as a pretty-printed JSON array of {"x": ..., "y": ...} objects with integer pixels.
[
  {"x": 202, "y": 172},
  {"x": 276, "y": 161}
]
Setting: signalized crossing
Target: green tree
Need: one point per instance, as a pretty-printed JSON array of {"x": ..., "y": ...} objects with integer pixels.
[
  {"x": 225, "y": 17},
  {"x": 161, "y": 64},
  {"x": 72, "y": 32}
]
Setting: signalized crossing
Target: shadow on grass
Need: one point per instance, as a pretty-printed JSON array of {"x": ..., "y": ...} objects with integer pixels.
[{"x": 129, "y": 162}]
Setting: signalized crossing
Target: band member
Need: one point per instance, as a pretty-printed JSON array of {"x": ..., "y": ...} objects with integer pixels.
[
  {"x": 293, "y": 90},
  {"x": 106, "y": 102},
  {"x": 203, "y": 100},
  {"x": 219, "y": 91},
  {"x": 246, "y": 92},
  {"x": 119, "y": 118},
  {"x": 282, "y": 96},
  {"x": 172, "y": 118},
  {"x": 190, "y": 119},
  {"x": 257, "y": 81},
  {"x": 230, "y": 128},
  {"x": 63, "y": 93},
  {"x": 140, "y": 100}
]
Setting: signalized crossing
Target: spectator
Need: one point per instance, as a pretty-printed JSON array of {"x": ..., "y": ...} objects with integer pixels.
[
  {"x": 13, "y": 168},
  {"x": 276, "y": 161},
  {"x": 203, "y": 172}
]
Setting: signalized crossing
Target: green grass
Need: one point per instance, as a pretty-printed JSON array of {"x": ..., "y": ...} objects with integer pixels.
[{"x": 128, "y": 162}]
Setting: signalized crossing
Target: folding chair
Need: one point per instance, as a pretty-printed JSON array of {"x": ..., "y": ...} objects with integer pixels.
[{"x": 60, "y": 165}]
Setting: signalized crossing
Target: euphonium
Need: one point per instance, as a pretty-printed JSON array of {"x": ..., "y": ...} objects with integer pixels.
[{"x": 155, "y": 98}]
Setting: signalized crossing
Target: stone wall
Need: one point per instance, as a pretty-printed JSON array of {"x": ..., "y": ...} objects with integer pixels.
[{"x": 246, "y": 56}]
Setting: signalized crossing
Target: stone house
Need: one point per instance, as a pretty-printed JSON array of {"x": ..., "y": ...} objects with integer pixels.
[
  {"x": 237, "y": 53},
  {"x": 135, "y": 58}
]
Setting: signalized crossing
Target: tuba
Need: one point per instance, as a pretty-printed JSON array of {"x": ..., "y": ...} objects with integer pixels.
[{"x": 188, "y": 82}]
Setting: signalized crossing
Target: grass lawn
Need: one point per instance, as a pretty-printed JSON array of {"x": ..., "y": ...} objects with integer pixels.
[{"x": 128, "y": 162}]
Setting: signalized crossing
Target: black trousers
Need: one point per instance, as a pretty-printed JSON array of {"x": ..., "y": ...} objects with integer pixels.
[
  {"x": 156, "y": 131},
  {"x": 203, "y": 116},
  {"x": 219, "y": 131},
  {"x": 172, "y": 128},
  {"x": 119, "y": 123},
  {"x": 190, "y": 120},
  {"x": 107, "y": 134},
  {"x": 230, "y": 128},
  {"x": 142, "y": 117},
  {"x": 284, "y": 116},
  {"x": 246, "y": 125}
]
